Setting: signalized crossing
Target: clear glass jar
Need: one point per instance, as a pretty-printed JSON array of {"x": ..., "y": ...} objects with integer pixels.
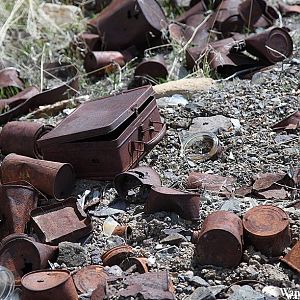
[{"x": 7, "y": 283}]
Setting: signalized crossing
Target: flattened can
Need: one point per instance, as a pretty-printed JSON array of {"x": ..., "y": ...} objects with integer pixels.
[
  {"x": 48, "y": 285},
  {"x": 267, "y": 229},
  {"x": 220, "y": 240}
]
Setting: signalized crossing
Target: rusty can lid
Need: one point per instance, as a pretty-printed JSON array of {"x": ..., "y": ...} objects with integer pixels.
[
  {"x": 265, "y": 220},
  {"x": 89, "y": 278},
  {"x": 43, "y": 280}
]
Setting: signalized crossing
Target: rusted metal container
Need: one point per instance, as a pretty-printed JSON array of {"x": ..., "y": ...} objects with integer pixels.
[
  {"x": 267, "y": 229},
  {"x": 150, "y": 70},
  {"x": 292, "y": 259},
  {"x": 116, "y": 255},
  {"x": 271, "y": 45},
  {"x": 123, "y": 230},
  {"x": 119, "y": 131},
  {"x": 129, "y": 22},
  {"x": 16, "y": 204},
  {"x": 186, "y": 205},
  {"x": 88, "y": 278},
  {"x": 53, "y": 178},
  {"x": 60, "y": 222},
  {"x": 91, "y": 40},
  {"x": 48, "y": 285},
  {"x": 220, "y": 240},
  {"x": 135, "y": 264},
  {"x": 27, "y": 134},
  {"x": 141, "y": 178},
  {"x": 22, "y": 254}
]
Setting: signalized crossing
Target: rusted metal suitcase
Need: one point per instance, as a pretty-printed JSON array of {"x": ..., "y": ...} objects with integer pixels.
[{"x": 105, "y": 137}]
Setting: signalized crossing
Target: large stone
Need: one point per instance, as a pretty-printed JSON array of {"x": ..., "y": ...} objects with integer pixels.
[
  {"x": 246, "y": 292},
  {"x": 201, "y": 293},
  {"x": 71, "y": 254}
]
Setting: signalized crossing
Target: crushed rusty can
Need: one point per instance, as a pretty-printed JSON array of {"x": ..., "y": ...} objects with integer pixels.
[
  {"x": 267, "y": 229},
  {"x": 48, "y": 285},
  {"x": 292, "y": 258},
  {"x": 26, "y": 133},
  {"x": 53, "y": 178},
  {"x": 220, "y": 240},
  {"x": 116, "y": 255},
  {"x": 22, "y": 254}
]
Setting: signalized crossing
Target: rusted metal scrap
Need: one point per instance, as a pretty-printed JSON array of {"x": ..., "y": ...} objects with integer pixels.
[
  {"x": 151, "y": 286},
  {"x": 129, "y": 22},
  {"x": 293, "y": 257},
  {"x": 139, "y": 178},
  {"x": 116, "y": 255},
  {"x": 291, "y": 122},
  {"x": 53, "y": 178},
  {"x": 267, "y": 229},
  {"x": 286, "y": 9},
  {"x": 9, "y": 77},
  {"x": 211, "y": 182},
  {"x": 89, "y": 278},
  {"x": 118, "y": 133},
  {"x": 60, "y": 222},
  {"x": 16, "y": 204},
  {"x": 66, "y": 73},
  {"x": 186, "y": 205},
  {"x": 135, "y": 264},
  {"x": 22, "y": 254},
  {"x": 220, "y": 240},
  {"x": 48, "y": 284},
  {"x": 27, "y": 134}
]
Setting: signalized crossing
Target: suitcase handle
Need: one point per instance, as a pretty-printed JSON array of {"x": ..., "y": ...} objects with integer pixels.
[{"x": 152, "y": 143}]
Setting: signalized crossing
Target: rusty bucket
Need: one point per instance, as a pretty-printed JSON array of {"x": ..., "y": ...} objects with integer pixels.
[
  {"x": 53, "y": 178},
  {"x": 186, "y": 205},
  {"x": 267, "y": 229},
  {"x": 272, "y": 45},
  {"x": 16, "y": 204},
  {"x": 48, "y": 285},
  {"x": 22, "y": 254},
  {"x": 26, "y": 134},
  {"x": 220, "y": 240}
]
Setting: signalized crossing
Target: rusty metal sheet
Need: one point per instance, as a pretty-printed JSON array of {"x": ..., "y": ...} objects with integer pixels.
[
  {"x": 119, "y": 132},
  {"x": 267, "y": 229},
  {"x": 251, "y": 11},
  {"x": 16, "y": 204},
  {"x": 293, "y": 257},
  {"x": 129, "y": 22},
  {"x": 286, "y": 9},
  {"x": 60, "y": 222},
  {"x": 264, "y": 181},
  {"x": 48, "y": 285},
  {"x": 151, "y": 286},
  {"x": 135, "y": 264},
  {"x": 27, "y": 134},
  {"x": 66, "y": 73},
  {"x": 22, "y": 254},
  {"x": 186, "y": 205},
  {"x": 211, "y": 182},
  {"x": 53, "y": 178},
  {"x": 9, "y": 77},
  {"x": 291, "y": 122},
  {"x": 116, "y": 255},
  {"x": 274, "y": 192},
  {"x": 139, "y": 179},
  {"x": 89, "y": 278},
  {"x": 196, "y": 9},
  {"x": 271, "y": 46},
  {"x": 220, "y": 240},
  {"x": 98, "y": 293}
]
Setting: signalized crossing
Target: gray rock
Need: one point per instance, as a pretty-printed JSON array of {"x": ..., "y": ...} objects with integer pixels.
[
  {"x": 198, "y": 281},
  {"x": 201, "y": 293},
  {"x": 106, "y": 211},
  {"x": 71, "y": 254},
  {"x": 231, "y": 205},
  {"x": 246, "y": 292},
  {"x": 216, "y": 289},
  {"x": 272, "y": 275},
  {"x": 174, "y": 100},
  {"x": 173, "y": 239}
]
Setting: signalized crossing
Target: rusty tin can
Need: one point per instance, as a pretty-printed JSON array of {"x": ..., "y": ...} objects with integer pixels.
[
  {"x": 48, "y": 285},
  {"x": 16, "y": 204},
  {"x": 293, "y": 257},
  {"x": 123, "y": 231},
  {"x": 88, "y": 278},
  {"x": 186, "y": 205},
  {"x": 53, "y": 178},
  {"x": 135, "y": 264},
  {"x": 60, "y": 222},
  {"x": 267, "y": 229},
  {"x": 271, "y": 46},
  {"x": 22, "y": 254},
  {"x": 220, "y": 240},
  {"x": 27, "y": 134},
  {"x": 116, "y": 255}
]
